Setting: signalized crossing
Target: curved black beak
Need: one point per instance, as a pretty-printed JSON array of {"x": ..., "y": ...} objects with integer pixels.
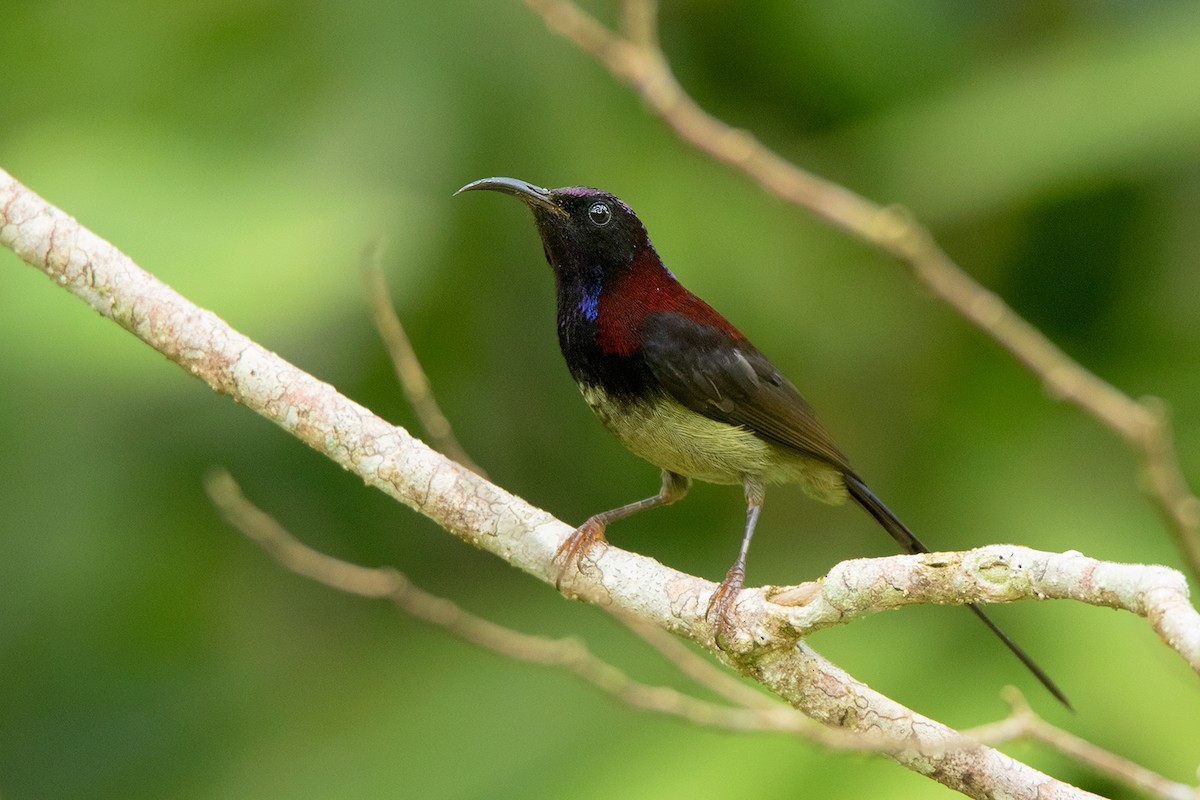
[{"x": 526, "y": 192}]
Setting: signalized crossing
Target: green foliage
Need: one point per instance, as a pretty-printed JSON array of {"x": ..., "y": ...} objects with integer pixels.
[{"x": 246, "y": 152}]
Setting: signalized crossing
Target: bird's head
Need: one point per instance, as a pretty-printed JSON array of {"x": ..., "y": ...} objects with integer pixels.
[{"x": 588, "y": 234}]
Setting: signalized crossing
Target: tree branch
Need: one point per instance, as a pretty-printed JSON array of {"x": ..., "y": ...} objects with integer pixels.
[
  {"x": 388, "y": 458},
  {"x": 750, "y": 712},
  {"x": 408, "y": 368},
  {"x": 994, "y": 574},
  {"x": 637, "y": 60},
  {"x": 1025, "y": 724}
]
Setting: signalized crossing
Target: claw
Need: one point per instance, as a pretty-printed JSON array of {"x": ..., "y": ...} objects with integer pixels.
[
  {"x": 576, "y": 547},
  {"x": 722, "y": 602}
]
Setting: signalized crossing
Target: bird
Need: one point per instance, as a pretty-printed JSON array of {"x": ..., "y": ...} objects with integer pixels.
[{"x": 681, "y": 387}]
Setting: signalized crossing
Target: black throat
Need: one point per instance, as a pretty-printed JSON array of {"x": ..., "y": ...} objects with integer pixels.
[{"x": 622, "y": 377}]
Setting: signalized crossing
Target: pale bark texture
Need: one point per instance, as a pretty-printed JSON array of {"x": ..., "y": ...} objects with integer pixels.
[{"x": 390, "y": 459}]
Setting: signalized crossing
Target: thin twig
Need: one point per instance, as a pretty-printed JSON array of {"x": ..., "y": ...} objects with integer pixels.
[
  {"x": 408, "y": 367},
  {"x": 637, "y": 60},
  {"x": 1024, "y": 724},
  {"x": 701, "y": 670}
]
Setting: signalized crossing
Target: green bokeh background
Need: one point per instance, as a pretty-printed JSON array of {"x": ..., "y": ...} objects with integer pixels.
[{"x": 245, "y": 152}]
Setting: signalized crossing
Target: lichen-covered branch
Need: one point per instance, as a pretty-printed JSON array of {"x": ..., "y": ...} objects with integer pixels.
[
  {"x": 997, "y": 574},
  {"x": 748, "y": 710},
  {"x": 387, "y": 457}
]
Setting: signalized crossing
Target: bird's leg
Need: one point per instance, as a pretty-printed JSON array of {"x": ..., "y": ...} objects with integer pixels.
[
  {"x": 578, "y": 544},
  {"x": 723, "y": 599}
]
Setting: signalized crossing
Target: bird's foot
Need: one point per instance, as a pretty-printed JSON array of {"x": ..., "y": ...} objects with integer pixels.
[
  {"x": 570, "y": 553},
  {"x": 722, "y": 602}
]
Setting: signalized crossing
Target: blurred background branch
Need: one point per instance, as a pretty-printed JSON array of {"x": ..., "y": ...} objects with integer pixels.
[
  {"x": 408, "y": 368},
  {"x": 1025, "y": 724}
]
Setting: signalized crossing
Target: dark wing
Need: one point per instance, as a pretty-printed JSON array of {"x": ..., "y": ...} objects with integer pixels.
[{"x": 727, "y": 379}]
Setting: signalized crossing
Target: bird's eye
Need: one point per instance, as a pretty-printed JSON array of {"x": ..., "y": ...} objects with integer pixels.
[{"x": 599, "y": 214}]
